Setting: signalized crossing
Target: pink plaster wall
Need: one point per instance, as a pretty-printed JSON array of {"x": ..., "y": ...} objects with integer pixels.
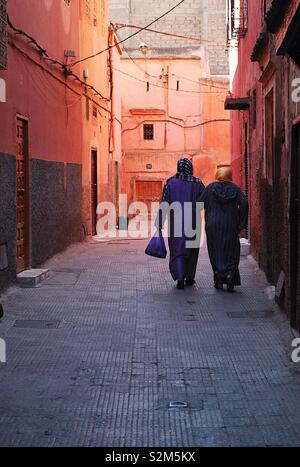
[{"x": 184, "y": 122}]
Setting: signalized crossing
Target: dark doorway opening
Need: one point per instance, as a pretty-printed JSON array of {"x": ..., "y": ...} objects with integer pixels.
[
  {"x": 269, "y": 194},
  {"x": 294, "y": 227},
  {"x": 246, "y": 165},
  {"x": 94, "y": 190},
  {"x": 116, "y": 187}
]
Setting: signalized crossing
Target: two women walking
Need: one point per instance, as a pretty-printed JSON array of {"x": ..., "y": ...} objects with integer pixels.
[{"x": 226, "y": 214}]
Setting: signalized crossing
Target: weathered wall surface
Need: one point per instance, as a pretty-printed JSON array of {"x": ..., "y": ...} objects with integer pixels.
[
  {"x": 7, "y": 217},
  {"x": 55, "y": 207},
  {"x": 246, "y": 81},
  {"x": 188, "y": 122},
  {"x": 200, "y": 19},
  {"x": 53, "y": 115},
  {"x": 93, "y": 28},
  {"x": 269, "y": 159}
]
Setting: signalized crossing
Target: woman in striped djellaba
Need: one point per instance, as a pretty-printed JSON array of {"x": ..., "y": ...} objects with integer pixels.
[{"x": 226, "y": 215}]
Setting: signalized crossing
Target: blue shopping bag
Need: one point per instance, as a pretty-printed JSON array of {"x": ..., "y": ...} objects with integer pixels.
[{"x": 156, "y": 247}]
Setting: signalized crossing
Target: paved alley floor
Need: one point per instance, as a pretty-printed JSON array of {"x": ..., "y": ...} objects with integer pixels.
[{"x": 97, "y": 353}]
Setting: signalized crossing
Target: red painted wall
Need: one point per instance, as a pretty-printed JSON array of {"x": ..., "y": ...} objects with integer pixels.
[
  {"x": 269, "y": 191},
  {"x": 52, "y": 103},
  {"x": 246, "y": 80}
]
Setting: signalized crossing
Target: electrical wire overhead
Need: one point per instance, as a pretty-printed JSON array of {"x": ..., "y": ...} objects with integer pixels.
[
  {"x": 169, "y": 89},
  {"x": 172, "y": 74},
  {"x": 140, "y": 67},
  {"x": 131, "y": 35},
  {"x": 170, "y": 34}
]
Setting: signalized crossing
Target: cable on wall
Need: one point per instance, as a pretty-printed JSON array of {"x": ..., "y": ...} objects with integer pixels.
[
  {"x": 66, "y": 70},
  {"x": 131, "y": 35}
]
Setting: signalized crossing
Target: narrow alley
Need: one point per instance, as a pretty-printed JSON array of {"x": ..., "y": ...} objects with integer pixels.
[
  {"x": 96, "y": 362},
  {"x": 126, "y": 131}
]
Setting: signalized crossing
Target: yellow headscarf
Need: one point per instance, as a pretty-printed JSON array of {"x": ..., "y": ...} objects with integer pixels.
[{"x": 224, "y": 174}]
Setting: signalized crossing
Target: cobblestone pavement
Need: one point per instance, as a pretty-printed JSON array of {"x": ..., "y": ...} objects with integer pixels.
[{"x": 95, "y": 355}]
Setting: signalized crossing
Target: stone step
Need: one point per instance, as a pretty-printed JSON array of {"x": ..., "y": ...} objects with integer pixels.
[
  {"x": 245, "y": 247},
  {"x": 32, "y": 277}
]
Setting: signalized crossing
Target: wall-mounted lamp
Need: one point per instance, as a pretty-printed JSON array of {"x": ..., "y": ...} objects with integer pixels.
[{"x": 143, "y": 48}]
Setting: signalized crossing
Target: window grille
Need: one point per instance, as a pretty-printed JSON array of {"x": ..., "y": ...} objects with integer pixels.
[
  {"x": 237, "y": 11},
  {"x": 148, "y": 131}
]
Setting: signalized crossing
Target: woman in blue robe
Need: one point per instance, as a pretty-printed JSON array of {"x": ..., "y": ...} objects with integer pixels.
[
  {"x": 226, "y": 215},
  {"x": 181, "y": 189}
]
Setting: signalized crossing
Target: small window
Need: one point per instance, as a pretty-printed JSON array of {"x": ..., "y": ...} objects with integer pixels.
[
  {"x": 95, "y": 112},
  {"x": 148, "y": 86},
  {"x": 177, "y": 85},
  {"x": 148, "y": 131}
]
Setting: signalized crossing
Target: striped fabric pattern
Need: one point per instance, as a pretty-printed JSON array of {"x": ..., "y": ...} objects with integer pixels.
[{"x": 226, "y": 214}]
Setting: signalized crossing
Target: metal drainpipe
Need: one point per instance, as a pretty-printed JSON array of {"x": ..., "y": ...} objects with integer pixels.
[
  {"x": 111, "y": 130},
  {"x": 166, "y": 106},
  {"x": 111, "y": 142}
]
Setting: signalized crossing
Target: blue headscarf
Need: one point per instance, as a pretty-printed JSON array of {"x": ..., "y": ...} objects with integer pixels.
[
  {"x": 185, "y": 166},
  {"x": 184, "y": 172}
]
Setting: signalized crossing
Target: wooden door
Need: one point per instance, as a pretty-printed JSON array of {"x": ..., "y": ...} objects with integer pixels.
[
  {"x": 148, "y": 192},
  {"x": 22, "y": 194}
]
